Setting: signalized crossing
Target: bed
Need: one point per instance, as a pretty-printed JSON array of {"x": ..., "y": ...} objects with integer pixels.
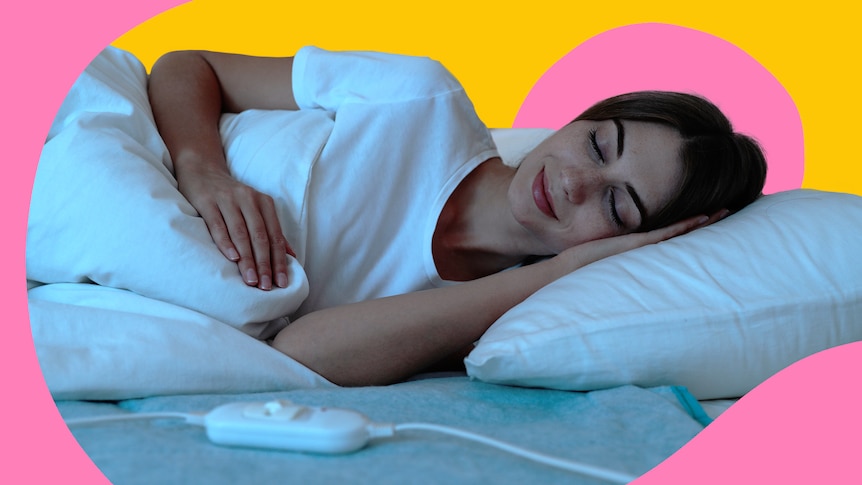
[{"x": 658, "y": 342}]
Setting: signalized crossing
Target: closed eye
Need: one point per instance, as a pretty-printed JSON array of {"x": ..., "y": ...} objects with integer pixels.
[
  {"x": 595, "y": 144},
  {"x": 612, "y": 209}
]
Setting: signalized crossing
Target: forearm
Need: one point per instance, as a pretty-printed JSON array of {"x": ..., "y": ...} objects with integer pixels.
[
  {"x": 189, "y": 90},
  {"x": 382, "y": 341},
  {"x": 187, "y": 105}
]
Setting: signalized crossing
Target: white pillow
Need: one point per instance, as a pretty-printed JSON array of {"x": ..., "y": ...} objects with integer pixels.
[
  {"x": 105, "y": 208},
  {"x": 513, "y": 144},
  {"x": 718, "y": 310},
  {"x": 95, "y": 342}
]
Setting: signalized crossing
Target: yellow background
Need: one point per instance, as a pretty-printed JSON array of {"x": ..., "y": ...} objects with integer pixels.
[{"x": 499, "y": 49}]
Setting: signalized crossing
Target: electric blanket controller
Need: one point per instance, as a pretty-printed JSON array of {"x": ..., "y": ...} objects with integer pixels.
[{"x": 286, "y": 426}]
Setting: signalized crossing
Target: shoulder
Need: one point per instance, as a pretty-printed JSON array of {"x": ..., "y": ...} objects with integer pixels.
[{"x": 405, "y": 74}]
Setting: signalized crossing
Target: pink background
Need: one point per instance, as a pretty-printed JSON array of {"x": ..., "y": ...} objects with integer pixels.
[
  {"x": 667, "y": 57},
  {"x": 801, "y": 426},
  {"x": 46, "y": 44}
]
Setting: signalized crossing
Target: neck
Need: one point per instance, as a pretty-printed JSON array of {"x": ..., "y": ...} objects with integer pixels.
[{"x": 476, "y": 234}]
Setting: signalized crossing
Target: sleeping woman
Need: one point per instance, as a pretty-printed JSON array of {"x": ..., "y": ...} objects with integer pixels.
[{"x": 417, "y": 234}]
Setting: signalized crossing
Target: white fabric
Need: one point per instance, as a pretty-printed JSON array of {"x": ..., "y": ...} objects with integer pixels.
[
  {"x": 105, "y": 210},
  {"x": 95, "y": 342},
  {"x": 405, "y": 134},
  {"x": 718, "y": 310},
  {"x": 514, "y": 144}
]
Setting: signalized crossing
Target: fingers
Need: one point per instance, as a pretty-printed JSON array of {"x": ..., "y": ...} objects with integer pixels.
[
  {"x": 244, "y": 226},
  {"x": 217, "y": 227},
  {"x": 244, "y": 234},
  {"x": 681, "y": 227},
  {"x": 276, "y": 247},
  {"x": 686, "y": 226},
  {"x": 718, "y": 216},
  {"x": 589, "y": 252},
  {"x": 256, "y": 234}
]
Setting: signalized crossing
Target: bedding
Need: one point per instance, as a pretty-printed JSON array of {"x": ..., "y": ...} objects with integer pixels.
[
  {"x": 104, "y": 179},
  {"x": 627, "y": 430},
  {"x": 95, "y": 342},
  {"x": 718, "y": 310},
  {"x": 114, "y": 339}
]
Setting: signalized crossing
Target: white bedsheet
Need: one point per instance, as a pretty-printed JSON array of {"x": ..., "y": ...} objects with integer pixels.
[
  {"x": 129, "y": 296},
  {"x": 100, "y": 343},
  {"x": 105, "y": 208}
]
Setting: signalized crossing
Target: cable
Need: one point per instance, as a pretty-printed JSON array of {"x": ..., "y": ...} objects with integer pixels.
[
  {"x": 231, "y": 426},
  {"x": 573, "y": 466},
  {"x": 189, "y": 418}
]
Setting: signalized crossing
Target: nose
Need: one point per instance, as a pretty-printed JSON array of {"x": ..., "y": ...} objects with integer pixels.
[{"x": 579, "y": 183}]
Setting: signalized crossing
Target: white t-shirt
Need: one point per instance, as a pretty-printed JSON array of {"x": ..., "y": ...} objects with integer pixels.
[{"x": 380, "y": 143}]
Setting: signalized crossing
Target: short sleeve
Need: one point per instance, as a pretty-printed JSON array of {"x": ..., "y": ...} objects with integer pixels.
[{"x": 326, "y": 79}]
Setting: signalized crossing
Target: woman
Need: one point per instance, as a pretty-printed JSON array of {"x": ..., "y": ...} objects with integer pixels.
[{"x": 432, "y": 192}]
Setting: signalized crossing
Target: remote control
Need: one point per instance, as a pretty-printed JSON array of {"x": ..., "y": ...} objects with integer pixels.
[{"x": 284, "y": 425}]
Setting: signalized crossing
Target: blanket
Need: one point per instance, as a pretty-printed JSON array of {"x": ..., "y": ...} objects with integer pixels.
[
  {"x": 627, "y": 429},
  {"x": 128, "y": 295}
]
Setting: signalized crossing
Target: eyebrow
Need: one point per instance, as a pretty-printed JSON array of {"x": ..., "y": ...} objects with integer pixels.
[
  {"x": 621, "y": 137},
  {"x": 637, "y": 200}
]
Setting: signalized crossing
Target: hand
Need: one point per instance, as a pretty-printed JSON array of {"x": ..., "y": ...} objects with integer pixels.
[
  {"x": 243, "y": 224},
  {"x": 590, "y": 252}
]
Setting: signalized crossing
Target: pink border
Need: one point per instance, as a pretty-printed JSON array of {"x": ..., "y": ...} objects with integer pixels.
[
  {"x": 669, "y": 57},
  {"x": 46, "y": 44},
  {"x": 767, "y": 438}
]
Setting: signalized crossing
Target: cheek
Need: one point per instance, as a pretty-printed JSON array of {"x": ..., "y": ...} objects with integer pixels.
[
  {"x": 582, "y": 228},
  {"x": 516, "y": 197},
  {"x": 520, "y": 192},
  {"x": 594, "y": 221}
]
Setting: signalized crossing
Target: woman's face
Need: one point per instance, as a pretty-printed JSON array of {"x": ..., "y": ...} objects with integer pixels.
[{"x": 595, "y": 179}]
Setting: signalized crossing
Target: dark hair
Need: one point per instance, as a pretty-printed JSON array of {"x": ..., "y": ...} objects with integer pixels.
[{"x": 721, "y": 169}]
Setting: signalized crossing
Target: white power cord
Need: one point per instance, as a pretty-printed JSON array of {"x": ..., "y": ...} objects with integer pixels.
[
  {"x": 189, "y": 418},
  {"x": 287, "y": 426},
  {"x": 572, "y": 466}
]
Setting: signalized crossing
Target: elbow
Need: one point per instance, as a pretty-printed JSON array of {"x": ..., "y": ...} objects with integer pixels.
[
  {"x": 176, "y": 67},
  {"x": 293, "y": 344},
  {"x": 338, "y": 365},
  {"x": 181, "y": 63},
  {"x": 180, "y": 57}
]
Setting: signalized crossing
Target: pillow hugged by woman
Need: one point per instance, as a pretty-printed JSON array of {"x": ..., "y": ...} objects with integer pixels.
[{"x": 407, "y": 194}]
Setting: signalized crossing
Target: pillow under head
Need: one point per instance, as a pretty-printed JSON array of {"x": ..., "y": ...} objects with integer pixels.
[{"x": 718, "y": 310}]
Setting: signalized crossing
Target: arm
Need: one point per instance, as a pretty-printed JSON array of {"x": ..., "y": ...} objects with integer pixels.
[
  {"x": 188, "y": 92},
  {"x": 385, "y": 340}
]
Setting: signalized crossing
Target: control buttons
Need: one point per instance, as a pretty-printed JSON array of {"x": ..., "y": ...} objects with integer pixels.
[{"x": 279, "y": 410}]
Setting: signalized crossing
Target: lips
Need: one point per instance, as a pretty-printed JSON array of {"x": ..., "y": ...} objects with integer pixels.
[{"x": 541, "y": 196}]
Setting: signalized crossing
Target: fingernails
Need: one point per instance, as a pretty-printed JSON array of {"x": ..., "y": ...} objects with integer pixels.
[
  {"x": 702, "y": 219},
  {"x": 265, "y": 283},
  {"x": 281, "y": 280},
  {"x": 232, "y": 254},
  {"x": 250, "y": 277}
]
